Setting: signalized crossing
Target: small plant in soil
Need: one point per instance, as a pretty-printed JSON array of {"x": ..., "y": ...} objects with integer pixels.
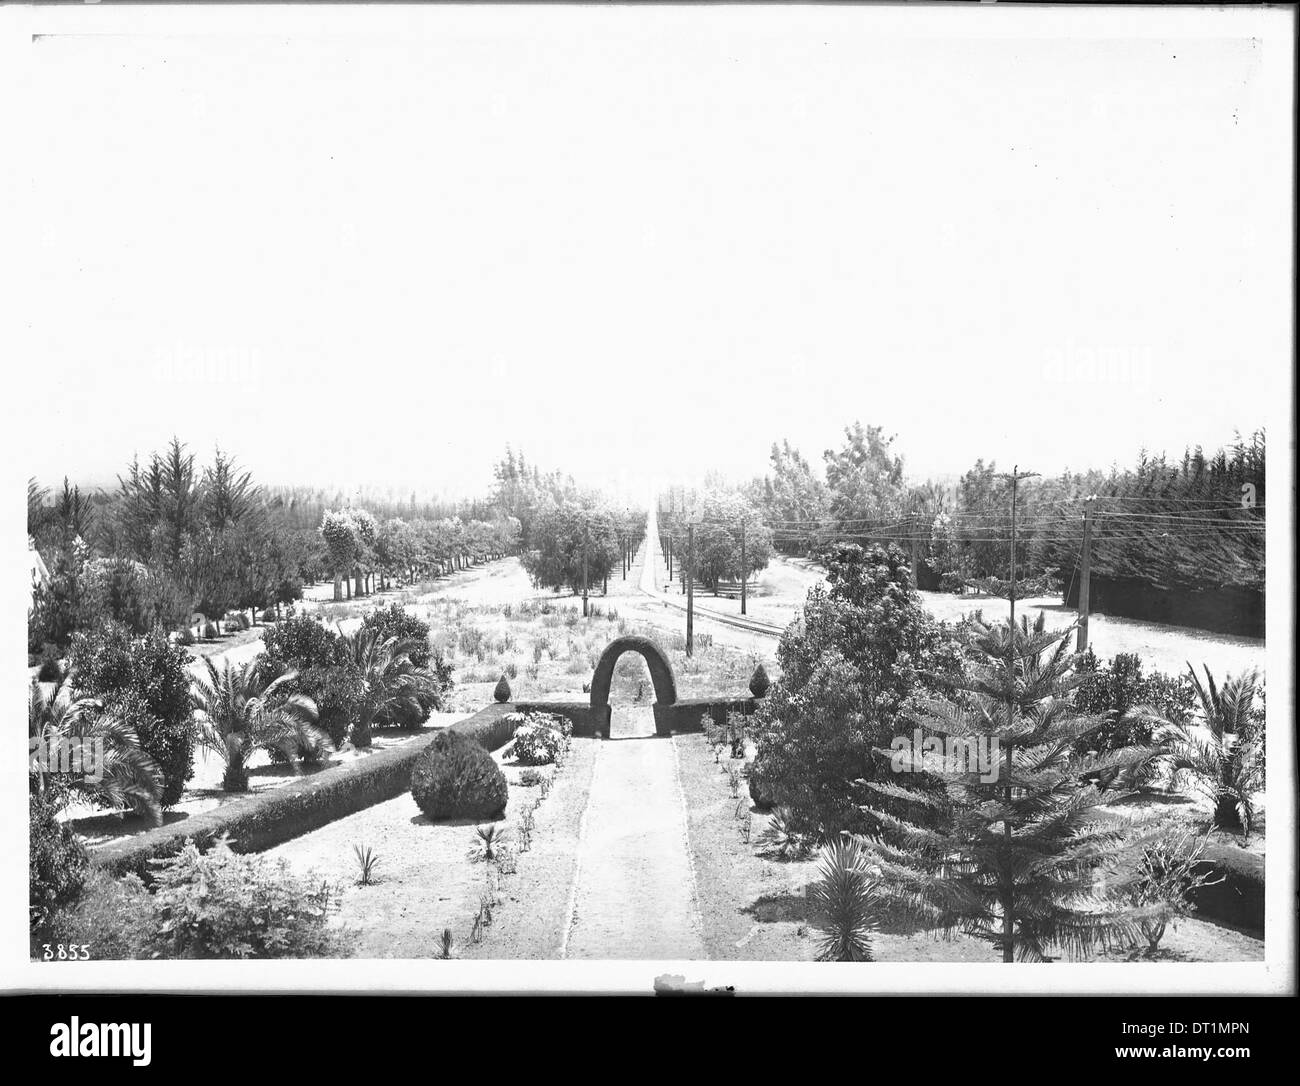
[
  {"x": 844, "y": 903},
  {"x": 488, "y": 842},
  {"x": 733, "y": 780},
  {"x": 530, "y": 778},
  {"x": 367, "y": 861},
  {"x": 780, "y": 838},
  {"x": 448, "y": 945},
  {"x": 1166, "y": 875}
]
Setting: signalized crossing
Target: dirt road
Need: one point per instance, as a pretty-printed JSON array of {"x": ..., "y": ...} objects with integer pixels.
[{"x": 634, "y": 890}]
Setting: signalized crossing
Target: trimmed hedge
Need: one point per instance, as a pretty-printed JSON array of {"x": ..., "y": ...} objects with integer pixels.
[
  {"x": 489, "y": 727},
  {"x": 266, "y": 819},
  {"x": 1239, "y": 899}
]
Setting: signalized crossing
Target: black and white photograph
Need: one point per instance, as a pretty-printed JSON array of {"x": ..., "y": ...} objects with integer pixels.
[{"x": 619, "y": 498}]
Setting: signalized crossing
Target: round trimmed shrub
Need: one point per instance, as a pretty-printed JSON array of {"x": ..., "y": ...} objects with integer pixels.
[{"x": 456, "y": 778}]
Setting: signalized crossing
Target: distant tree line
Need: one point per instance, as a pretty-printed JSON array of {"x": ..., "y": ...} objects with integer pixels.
[
  {"x": 175, "y": 539},
  {"x": 1168, "y": 536}
]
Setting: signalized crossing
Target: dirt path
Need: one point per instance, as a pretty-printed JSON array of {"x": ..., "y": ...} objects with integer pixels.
[{"x": 634, "y": 891}]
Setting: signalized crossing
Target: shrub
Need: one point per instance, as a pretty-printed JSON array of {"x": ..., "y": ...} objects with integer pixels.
[
  {"x": 861, "y": 648},
  {"x": 1171, "y": 868},
  {"x": 56, "y": 864},
  {"x": 114, "y": 918},
  {"x": 1119, "y": 687},
  {"x": 395, "y": 621},
  {"x": 540, "y": 738},
  {"x": 51, "y": 668},
  {"x": 456, "y": 778},
  {"x": 530, "y": 778},
  {"x": 413, "y": 632},
  {"x": 220, "y": 904},
  {"x": 325, "y": 674},
  {"x": 146, "y": 679}
]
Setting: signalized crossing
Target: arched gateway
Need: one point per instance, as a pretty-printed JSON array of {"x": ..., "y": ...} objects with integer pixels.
[{"x": 661, "y": 674}]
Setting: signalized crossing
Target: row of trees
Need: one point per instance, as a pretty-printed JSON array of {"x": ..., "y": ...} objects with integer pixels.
[
  {"x": 1194, "y": 524},
  {"x": 175, "y": 538},
  {"x": 570, "y": 537},
  {"x": 579, "y": 541},
  {"x": 730, "y": 539},
  {"x": 363, "y": 552}
]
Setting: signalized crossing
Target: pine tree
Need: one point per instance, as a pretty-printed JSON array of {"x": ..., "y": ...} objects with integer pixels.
[{"x": 1009, "y": 848}]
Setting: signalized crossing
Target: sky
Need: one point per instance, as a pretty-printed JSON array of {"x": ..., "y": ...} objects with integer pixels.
[{"x": 643, "y": 245}]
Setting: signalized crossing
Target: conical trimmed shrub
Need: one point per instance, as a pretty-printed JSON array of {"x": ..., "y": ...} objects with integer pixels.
[
  {"x": 759, "y": 682},
  {"x": 502, "y": 692}
]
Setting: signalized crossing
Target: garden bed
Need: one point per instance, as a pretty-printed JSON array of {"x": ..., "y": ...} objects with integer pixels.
[
  {"x": 426, "y": 881},
  {"x": 754, "y": 906}
]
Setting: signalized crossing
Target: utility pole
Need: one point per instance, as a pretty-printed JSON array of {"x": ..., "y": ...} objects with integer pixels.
[
  {"x": 670, "y": 558},
  {"x": 913, "y": 527},
  {"x": 1015, "y": 477},
  {"x": 690, "y": 589},
  {"x": 1085, "y": 571},
  {"x": 584, "y": 567},
  {"x": 744, "y": 567}
]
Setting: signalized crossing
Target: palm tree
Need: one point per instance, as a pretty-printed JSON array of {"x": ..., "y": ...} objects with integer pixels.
[
  {"x": 393, "y": 684},
  {"x": 101, "y": 746},
  {"x": 243, "y": 708},
  {"x": 1224, "y": 759}
]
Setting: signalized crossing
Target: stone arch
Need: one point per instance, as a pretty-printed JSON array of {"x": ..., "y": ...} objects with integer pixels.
[{"x": 661, "y": 675}]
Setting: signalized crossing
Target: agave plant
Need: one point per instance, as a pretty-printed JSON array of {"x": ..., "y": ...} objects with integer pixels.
[
  {"x": 780, "y": 836},
  {"x": 122, "y": 775},
  {"x": 1224, "y": 759},
  {"x": 393, "y": 683},
  {"x": 367, "y": 861},
  {"x": 844, "y": 904},
  {"x": 242, "y": 709},
  {"x": 489, "y": 842}
]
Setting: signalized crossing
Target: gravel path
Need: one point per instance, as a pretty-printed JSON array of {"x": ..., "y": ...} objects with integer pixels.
[{"x": 634, "y": 892}]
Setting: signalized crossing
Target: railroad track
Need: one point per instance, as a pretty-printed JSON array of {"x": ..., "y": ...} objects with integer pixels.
[{"x": 751, "y": 625}]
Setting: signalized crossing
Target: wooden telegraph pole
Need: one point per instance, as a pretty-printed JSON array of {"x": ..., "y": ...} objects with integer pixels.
[
  {"x": 584, "y": 568},
  {"x": 913, "y": 527},
  {"x": 744, "y": 567},
  {"x": 1015, "y": 477},
  {"x": 690, "y": 588},
  {"x": 1085, "y": 571}
]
